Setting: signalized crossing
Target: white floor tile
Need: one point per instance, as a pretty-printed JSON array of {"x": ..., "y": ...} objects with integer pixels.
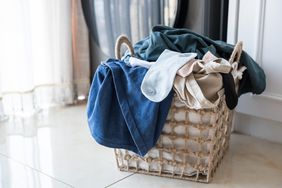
[
  {"x": 250, "y": 162},
  {"x": 15, "y": 175},
  {"x": 59, "y": 144}
]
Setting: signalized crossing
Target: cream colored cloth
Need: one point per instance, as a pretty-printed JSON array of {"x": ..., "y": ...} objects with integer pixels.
[
  {"x": 198, "y": 83},
  {"x": 237, "y": 73}
]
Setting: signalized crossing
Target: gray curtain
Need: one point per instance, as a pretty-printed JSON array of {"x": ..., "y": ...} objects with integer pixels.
[
  {"x": 107, "y": 19},
  {"x": 133, "y": 18}
]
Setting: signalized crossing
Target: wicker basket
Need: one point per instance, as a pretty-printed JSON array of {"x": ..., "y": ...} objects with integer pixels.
[{"x": 192, "y": 142}]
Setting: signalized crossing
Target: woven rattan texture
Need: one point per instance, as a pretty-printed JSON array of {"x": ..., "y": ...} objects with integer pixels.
[{"x": 191, "y": 145}]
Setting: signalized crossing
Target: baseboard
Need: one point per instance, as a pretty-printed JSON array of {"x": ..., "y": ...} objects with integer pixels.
[{"x": 258, "y": 127}]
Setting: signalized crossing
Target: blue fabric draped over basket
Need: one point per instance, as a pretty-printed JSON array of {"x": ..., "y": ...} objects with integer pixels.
[{"x": 119, "y": 116}]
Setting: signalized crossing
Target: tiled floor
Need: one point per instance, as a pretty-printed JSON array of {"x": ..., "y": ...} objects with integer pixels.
[{"x": 55, "y": 149}]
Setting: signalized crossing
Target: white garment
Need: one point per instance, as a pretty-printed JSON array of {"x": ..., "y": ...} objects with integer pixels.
[
  {"x": 133, "y": 62},
  {"x": 158, "y": 81}
]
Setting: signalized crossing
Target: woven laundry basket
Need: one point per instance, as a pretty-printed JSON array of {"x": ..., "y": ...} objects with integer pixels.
[{"x": 192, "y": 142}]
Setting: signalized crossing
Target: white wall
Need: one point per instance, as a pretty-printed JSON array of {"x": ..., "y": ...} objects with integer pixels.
[{"x": 258, "y": 24}]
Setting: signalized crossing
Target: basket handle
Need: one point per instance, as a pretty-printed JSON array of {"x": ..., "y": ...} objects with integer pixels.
[
  {"x": 236, "y": 54},
  {"x": 122, "y": 39}
]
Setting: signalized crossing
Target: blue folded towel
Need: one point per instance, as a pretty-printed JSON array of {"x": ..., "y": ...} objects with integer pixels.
[{"x": 119, "y": 116}]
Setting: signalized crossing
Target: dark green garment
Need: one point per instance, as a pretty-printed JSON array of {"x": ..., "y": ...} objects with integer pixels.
[{"x": 183, "y": 40}]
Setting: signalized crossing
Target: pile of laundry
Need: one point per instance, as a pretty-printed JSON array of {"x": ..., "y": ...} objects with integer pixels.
[{"x": 129, "y": 99}]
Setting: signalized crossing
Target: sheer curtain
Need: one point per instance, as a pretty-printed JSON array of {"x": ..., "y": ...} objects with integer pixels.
[{"x": 44, "y": 56}]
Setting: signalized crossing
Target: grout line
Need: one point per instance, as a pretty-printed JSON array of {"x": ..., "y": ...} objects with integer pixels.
[
  {"x": 39, "y": 171},
  {"x": 120, "y": 180}
]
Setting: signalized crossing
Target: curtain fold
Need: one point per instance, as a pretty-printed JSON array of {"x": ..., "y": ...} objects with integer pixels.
[
  {"x": 107, "y": 19},
  {"x": 81, "y": 52},
  {"x": 44, "y": 59}
]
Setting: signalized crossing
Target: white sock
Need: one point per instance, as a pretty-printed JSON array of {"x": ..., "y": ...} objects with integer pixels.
[
  {"x": 138, "y": 62},
  {"x": 158, "y": 81}
]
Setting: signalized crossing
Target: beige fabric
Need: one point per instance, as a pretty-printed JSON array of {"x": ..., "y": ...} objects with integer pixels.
[
  {"x": 198, "y": 83},
  {"x": 237, "y": 74}
]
